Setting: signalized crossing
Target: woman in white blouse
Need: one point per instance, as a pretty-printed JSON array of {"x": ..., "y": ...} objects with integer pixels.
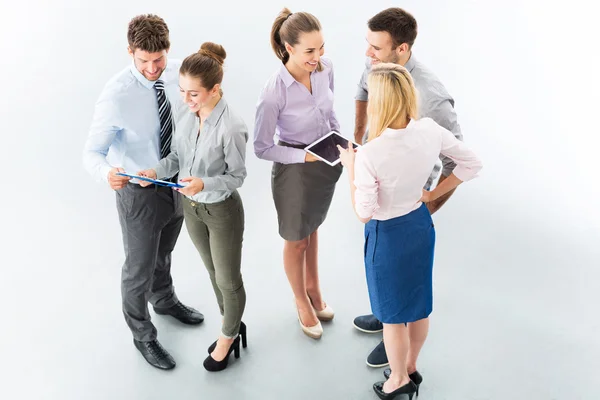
[{"x": 386, "y": 176}]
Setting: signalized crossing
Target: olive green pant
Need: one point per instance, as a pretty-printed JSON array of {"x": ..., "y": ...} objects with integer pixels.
[{"x": 217, "y": 230}]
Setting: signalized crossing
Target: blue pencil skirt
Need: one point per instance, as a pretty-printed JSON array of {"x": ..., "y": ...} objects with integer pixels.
[{"x": 399, "y": 266}]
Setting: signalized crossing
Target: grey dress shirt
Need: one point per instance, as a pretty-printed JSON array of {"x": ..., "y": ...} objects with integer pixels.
[
  {"x": 217, "y": 154},
  {"x": 433, "y": 102}
]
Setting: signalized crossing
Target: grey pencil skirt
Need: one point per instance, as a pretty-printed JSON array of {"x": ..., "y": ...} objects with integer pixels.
[{"x": 302, "y": 194}]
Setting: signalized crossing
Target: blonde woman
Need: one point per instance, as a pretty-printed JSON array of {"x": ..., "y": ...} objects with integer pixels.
[{"x": 386, "y": 176}]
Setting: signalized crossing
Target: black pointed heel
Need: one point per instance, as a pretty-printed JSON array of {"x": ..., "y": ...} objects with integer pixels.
[
  {"x": 212, "y": 365},
  {"x": 409, "y": 389},
  {"x": 242, "y": 333},
  {"x": 416, "y": 377}
]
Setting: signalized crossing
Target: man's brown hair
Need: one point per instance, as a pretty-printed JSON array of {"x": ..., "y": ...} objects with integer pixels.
[
  {"x": 149, "y": 33},
  {"x": 400, "y": 24}
]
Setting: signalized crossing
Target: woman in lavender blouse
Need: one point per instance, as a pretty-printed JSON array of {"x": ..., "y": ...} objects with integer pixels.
[{"x": 296, "y": 104}]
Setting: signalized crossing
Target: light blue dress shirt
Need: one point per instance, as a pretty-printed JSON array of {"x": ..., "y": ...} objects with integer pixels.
[{"x": 125, "y": 130}]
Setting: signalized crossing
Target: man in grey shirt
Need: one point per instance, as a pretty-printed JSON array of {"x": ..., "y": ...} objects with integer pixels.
[{"x": 391, "y": 35}]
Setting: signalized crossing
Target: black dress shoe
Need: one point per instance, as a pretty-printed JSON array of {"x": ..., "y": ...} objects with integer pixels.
[
  {"x": 182, "y": 313},
  {"x": 212, "y": 365},
  {"x": 368, "y": 324},
  {"x": 155, "y": 354},
  {"x": 409, "y": 389},
  {"x": 378, "y": 357},
  {"x": 242, "y": 333},
  {"x": 416, "y": 377}
]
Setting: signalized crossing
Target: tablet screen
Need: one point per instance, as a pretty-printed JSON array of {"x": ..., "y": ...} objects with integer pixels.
[{"x": 327, "y": 147}]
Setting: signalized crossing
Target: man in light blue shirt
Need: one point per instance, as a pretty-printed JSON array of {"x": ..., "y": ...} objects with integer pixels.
[{"x": 131, "y": 131}]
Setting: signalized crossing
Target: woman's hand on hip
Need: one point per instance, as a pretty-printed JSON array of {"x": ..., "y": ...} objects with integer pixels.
[{"x": 426, "y": 197}]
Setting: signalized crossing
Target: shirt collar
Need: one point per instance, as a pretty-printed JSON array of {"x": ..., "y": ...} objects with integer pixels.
[
  {"x": 391, "y": 131},
  {"x": 216, "y": 112},
  {"x": 410, "y": 64},
  {"x": 142, "y": 79},
  {"x": 286, "y": 77}
]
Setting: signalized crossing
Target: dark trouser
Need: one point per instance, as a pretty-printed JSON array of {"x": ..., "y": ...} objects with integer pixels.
[
  {"x": 151, "y": 219},
  {"x": 217, "y": 230}
]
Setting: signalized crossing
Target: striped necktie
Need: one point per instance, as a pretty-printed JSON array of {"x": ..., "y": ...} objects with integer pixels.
[{"x": 166, "y": 119}]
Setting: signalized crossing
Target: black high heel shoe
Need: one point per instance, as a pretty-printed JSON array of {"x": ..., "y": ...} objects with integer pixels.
[
  {"x": 242, "y": 333},
  {"x": 416, "y": 377},
  {"x": 212, "y": 365},
  {"x": 409, "y": 389}
]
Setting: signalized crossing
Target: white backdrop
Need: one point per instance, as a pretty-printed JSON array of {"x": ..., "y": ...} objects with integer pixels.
[{"x": 524, "y": 74}]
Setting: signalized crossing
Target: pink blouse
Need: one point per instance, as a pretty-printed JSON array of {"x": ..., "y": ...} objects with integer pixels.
[{"x": 391, "y": 171}]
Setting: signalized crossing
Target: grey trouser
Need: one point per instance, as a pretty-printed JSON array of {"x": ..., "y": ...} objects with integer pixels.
[
  {"x": 217, "y": 230},
  {"x": 151, "y": 219}
]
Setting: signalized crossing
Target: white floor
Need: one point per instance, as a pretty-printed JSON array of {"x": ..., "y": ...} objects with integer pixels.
[{"x": 512, "y": 319}]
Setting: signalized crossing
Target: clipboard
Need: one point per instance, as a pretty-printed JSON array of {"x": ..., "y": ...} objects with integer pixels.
[{"x": 155, "y": 181}]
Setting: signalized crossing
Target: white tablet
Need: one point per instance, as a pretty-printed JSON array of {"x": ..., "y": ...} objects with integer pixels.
[{"x": 325, "y": 149}]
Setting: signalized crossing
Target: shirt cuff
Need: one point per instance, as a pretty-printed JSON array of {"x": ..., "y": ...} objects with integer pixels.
[
  {"x": 209, "y": 184},
  {"x": 104, "y": 171},
  {"x": 464, "y": 174},
  {"x": 298, "y": 156},
  {"x": 361, "y": 95},
  {"x": 363, "y": 212},
  {"x": 161, "y": 173}
]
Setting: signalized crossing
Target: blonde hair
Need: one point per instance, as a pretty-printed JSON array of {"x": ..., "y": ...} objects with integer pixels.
[{"x": 392, "y": 96}]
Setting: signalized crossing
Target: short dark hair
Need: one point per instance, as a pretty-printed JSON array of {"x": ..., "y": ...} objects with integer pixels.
[
  {"x": 400, "y": 24},
  {"x": 149, "y": 33}
]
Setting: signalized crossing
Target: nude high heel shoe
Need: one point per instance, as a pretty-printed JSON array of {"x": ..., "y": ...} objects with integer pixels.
[
  {"x": 314, "y": 332},
  {"x": 325, "y": 314}
]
